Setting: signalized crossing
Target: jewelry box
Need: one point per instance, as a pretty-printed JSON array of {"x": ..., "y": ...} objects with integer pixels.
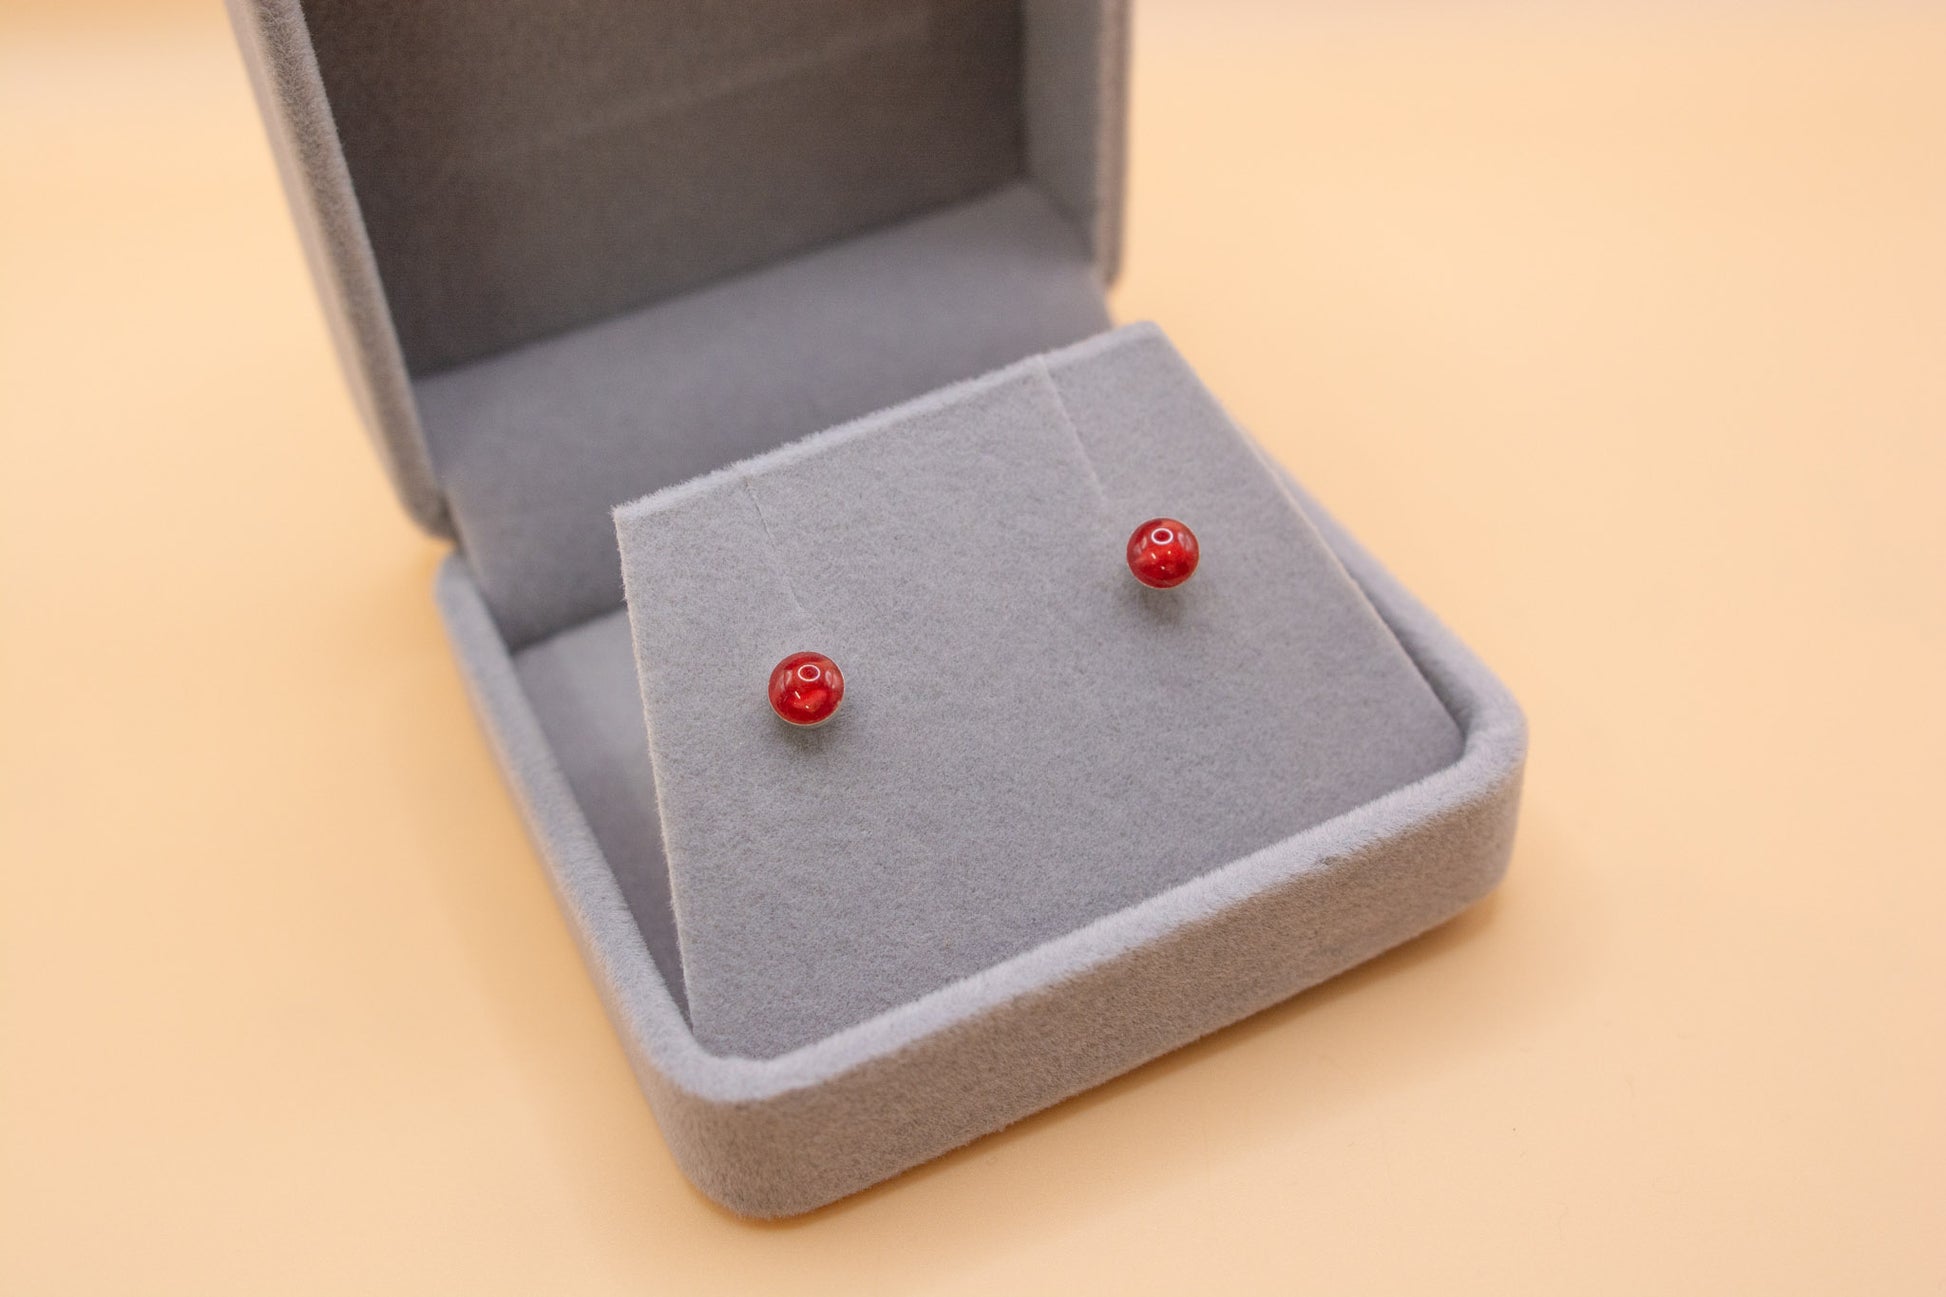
[{"x": 826, "y": 277}]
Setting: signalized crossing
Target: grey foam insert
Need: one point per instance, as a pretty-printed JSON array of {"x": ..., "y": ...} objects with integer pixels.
[
  {"x": 1029, "y": 740},
  {"x": 535, "y": 447}
]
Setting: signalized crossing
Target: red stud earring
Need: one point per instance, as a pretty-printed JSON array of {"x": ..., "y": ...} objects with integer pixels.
[
  {"x": 1163, "y": 553},
  {"x": 806, "y": 688}
]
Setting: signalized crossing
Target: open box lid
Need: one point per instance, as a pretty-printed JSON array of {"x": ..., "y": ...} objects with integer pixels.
[{"x": 574, "y": 253}]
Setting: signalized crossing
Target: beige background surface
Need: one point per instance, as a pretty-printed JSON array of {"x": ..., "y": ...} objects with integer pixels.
[{"x": 1619, "y": 333}]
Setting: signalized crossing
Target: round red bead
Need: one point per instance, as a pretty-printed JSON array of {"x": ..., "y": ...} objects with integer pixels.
[
  {"x": 1163, "y": 553},
  {"x": 806, "y": 688}
]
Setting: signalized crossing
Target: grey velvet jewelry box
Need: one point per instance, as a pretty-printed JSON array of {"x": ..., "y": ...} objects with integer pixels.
[{"x": 577, "y": 254}]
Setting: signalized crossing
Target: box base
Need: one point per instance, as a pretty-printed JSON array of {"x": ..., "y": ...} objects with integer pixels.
[{"x": 779, "y": 1136}]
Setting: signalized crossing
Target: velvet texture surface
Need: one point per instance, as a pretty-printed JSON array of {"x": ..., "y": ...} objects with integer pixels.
[
  {"x": 1030, "y": 739},
  {"x": 525, "y": 169}
]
